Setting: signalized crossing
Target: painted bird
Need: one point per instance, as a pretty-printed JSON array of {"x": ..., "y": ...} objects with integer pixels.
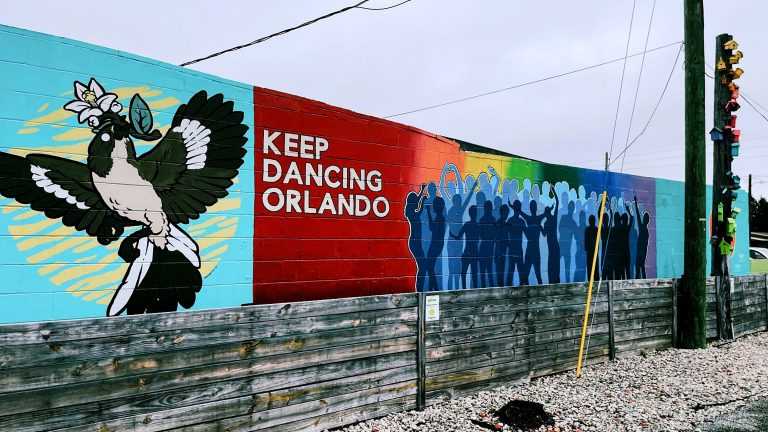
[{"x": 187, "y": 171}]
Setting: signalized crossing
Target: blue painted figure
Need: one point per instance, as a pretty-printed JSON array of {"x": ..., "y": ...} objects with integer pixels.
[
  {"x": 413, "y": 210},
  {"x": 470, "y": 258},
  {"x": 437, "y": 226},
  {"x": 553, "y": 245},
  {"x": 567, "y": 230},
  {"x": 532, "y": 251}
]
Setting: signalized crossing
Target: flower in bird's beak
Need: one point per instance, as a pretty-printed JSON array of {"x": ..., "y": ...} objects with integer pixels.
[{"x": 92, "y": 102}]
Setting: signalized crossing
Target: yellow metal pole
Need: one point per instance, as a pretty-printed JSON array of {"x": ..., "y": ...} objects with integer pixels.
[{"x": 591, "y": 281}]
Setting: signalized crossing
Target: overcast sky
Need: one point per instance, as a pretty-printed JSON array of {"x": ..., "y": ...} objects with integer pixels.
[{"x": 427, "y": 52}]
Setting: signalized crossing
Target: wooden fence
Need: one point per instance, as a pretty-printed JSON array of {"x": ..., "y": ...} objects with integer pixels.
[{"x": 323, "y": 364}]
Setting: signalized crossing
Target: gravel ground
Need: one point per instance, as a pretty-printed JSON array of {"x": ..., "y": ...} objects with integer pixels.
[{"x": 654, "y": 392}]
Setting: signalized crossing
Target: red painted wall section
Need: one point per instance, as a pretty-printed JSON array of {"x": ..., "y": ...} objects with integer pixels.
[{"x": 313, "y": 162}]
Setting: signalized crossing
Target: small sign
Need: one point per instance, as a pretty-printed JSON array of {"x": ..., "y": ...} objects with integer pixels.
[{"x": 433, "y": 308}]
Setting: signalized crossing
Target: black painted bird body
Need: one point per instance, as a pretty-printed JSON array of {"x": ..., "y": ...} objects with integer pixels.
[{"x": 188, "y": 171}]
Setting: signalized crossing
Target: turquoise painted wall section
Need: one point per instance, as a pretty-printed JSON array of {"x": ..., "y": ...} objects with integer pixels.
[
  {"x": 50, "y": 271},
  {"x": 670, "y": 230}
]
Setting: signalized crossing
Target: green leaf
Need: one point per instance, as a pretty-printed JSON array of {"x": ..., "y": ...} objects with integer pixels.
[{"x": 141, "y": 116}]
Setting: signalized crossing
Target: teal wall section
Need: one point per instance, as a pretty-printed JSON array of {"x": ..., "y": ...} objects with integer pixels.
[
  {"x": 50, "y": 271},
  {"x": 670, "y": 226}
]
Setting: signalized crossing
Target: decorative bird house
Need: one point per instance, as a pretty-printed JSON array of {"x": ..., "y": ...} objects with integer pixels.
[
  {"x": 716, "y": 134},
  {"x": 734, "y": 59},
  {"x": 732, "y": 121},
  {"x": 731, "y": 45},
  {"x": 736, "y": 73},
  {"x": 735, "y": 149},
  {"x": 735, "y": 134},
  {"x": 721, "y": 66},
  {"x": 732, "y": 105}
]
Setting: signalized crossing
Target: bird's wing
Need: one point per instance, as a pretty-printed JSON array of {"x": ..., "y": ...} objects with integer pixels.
[
  {"x": 60, "y": 188},
  {"x": 195, "y": 162}
]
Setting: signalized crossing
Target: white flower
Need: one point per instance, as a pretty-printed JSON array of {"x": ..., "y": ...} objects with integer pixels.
[{"x": 92, "y": 102}]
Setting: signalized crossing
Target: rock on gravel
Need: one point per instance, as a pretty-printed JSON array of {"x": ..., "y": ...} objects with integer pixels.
[{"x": 672, "y": 390}]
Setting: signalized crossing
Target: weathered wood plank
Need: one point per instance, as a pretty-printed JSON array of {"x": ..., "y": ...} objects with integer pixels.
[
  {"x": 255, "y": 337},
  {"x": 117, "y": 367},
  {"x": 507, "y": 355},
  {"x": 749, "y": 327},
  {"x": 221, "y": 381},
  {"x": 520, "y": 327},
  {"x": 458, "y": 319},
  {"x": 658, "y": 303},
  {"x": 57, "y": 331},
  {"x": 624, "y": 325},
  {"x": 641, "y": 284},
  {"x": 754, "y": 300},
  {"x": 751, "y": 316},
  {"x": 190, "y": 420},
  {"x": 515, "y": 368},
  {"x": 260, "y": 393},
  {"x": 647, "y": 340},
  {"x": 643, "y": 333},
  {"x": 345, "y": 417},
  {"x": 449, "y": 299},
  {"x": 472, "y": 348}
]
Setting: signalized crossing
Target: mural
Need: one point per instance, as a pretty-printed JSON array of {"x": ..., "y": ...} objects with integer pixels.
[
  {"x": 188, "y": 170},
  {"x": 132, "y": 186},
  {"x": 487, "y": 233}
]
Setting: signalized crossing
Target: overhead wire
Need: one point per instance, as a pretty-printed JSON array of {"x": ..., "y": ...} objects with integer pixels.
[
  {"x": 637, "y": 88},
  {"x": 288, "y": 30},
  {"x": 384, "y": 8},
  {"x": 516, "y": 86},
  {"x": 621, "y": 83},
  {"x": 653, "y": 113}
]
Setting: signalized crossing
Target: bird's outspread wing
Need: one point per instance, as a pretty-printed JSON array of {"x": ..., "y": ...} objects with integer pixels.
[
  {"x": 195, "y": 162},
  {"x": 60, "y": 188}
]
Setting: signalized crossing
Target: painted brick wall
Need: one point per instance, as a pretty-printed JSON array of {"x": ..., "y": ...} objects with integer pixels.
[{"x": 323, "y": 203}]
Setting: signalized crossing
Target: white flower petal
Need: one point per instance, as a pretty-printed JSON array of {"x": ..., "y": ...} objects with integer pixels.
[
  {"x": 116, "y": 107},
  {"x": 93, "y": 121},
  {"x": 96, "y": 88},
  {"x": 79, "y": 89},
  {"x": 90, "y": 112},
  {"x": 76, "y": 106},
  {"x": 105, "y": 101}
]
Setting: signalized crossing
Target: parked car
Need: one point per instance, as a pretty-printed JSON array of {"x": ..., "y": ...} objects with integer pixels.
[{"x": 758, "y": 260}]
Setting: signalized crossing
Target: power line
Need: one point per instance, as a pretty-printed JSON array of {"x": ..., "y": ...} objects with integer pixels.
[
  {"x": 743, "y": 96},
  {"x": 621, "y": 83},
  {"x": 637, "y": 88},
  {"x": 560, "y": 75},
  {"x": 661, "y": 97},
  {"x": 282, "y": 32},
  {"x": 384, "y": 8}
]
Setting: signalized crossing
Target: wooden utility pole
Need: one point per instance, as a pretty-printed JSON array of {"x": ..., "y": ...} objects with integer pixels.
[{"x": 692, "y": 305}]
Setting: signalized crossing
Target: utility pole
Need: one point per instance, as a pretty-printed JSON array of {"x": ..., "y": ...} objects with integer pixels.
[
  {"x": 692, "y": 306},
  {"x": 724, "y": 183}
]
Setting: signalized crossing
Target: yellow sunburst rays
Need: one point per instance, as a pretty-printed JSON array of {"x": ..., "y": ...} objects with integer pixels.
[{"x": 92, "y": 275}]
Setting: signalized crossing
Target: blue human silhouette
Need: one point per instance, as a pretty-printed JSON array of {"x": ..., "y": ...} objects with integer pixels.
[
  {"x": 437, "y": 226},
  {"x": 567, "y": 230},
  {"x": 553, "y": 245},
  {"x": 517, "y": 227},
  {"x": 487, "y": 244},
  {"x": 642, "y": 242},
  {"x": 590, "y": 239},
  {"x": 580, "y": 274},
  {"x": 455, "y": 247},
  {"x": 501, "y": 254},
  {"x": 413, "y": 211},
  {"x": 532, "y": 257},
  {"x": 470, "y": 257}
]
